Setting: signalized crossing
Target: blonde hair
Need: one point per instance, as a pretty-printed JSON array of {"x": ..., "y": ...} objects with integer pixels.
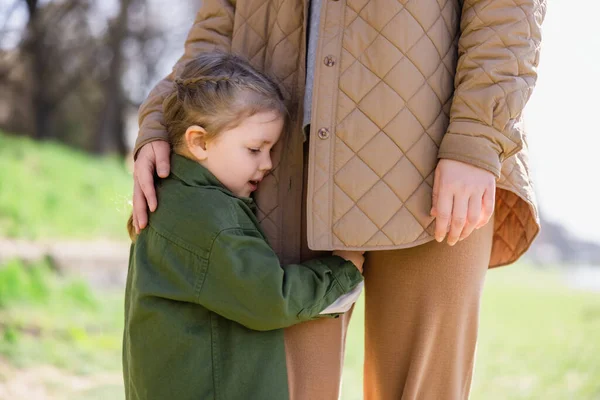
[{"x": 217, "y": 91}]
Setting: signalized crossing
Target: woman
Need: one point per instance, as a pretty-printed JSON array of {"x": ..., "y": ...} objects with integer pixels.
[{"x": 415, "y": 134}]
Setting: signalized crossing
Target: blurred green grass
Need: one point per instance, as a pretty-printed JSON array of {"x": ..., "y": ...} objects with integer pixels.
[
  {"x": 538, "y": 338},
  {"x": 50, "y": 319},
  {"x": 58, "y": 334},
  {"x": 48, "y": 190}
]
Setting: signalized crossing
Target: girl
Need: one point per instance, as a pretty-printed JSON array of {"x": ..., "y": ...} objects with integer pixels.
[{"x": 206, "y": 296}]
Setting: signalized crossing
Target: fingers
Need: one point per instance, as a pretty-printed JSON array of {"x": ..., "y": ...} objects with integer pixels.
[
  {"x": 361, "y": 260},
  {"x": 144, "y": 177},
  {"x": 459, "y": 217},
  {"x": 462, "y": 199},
  {"x": 473, "y": 215},
  {"x": 140, "y": 212},
  {"x": 443, "y": 213},
  {"x": 488, "y": 206},
  {"x": 355, "y": 257},
  {"x": 136, "y": 226},
  {"x": 162, "y": 152},
  {"x": 153, "y": 154},
  {"x": 435, "y": 194},
  {"x": 358, "y": 261}
]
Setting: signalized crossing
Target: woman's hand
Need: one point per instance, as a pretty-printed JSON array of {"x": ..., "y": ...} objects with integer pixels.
[
  {"x": 463, "y": 199},
  {"x": 153, "y": 155}
]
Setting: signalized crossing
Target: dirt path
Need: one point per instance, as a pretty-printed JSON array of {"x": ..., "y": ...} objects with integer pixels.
[
  {"x": 103, "y": 263},
  {"x": 51, "y": 383}
]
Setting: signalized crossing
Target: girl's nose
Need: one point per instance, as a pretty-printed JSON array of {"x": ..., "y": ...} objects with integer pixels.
[{"x": 266, "y": 164}]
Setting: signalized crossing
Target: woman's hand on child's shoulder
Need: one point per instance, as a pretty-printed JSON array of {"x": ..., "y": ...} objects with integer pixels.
[
  {"x": 356, "y": 257},
  {"x": 152, "y": 156}
]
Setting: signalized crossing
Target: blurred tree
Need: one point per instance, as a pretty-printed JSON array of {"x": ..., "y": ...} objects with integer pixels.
[
  {"x": 135, "y": 43},
  {"x": 110, "y": 135},
  {"x": 76, "y": 70},
  {"x": 58, "y": 47}
]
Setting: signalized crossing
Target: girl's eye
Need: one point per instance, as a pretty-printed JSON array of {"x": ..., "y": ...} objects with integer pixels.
[{"x": 254, "y": 151}]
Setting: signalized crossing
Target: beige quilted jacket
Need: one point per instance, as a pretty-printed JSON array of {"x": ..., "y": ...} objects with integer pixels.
[{"x": 398, "y": 84}]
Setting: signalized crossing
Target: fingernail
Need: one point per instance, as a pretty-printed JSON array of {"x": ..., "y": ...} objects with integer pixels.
[{"x": 162, "y": 171}]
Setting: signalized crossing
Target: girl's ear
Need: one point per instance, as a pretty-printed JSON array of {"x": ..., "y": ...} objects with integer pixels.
[{"x": 195, "y": 142}]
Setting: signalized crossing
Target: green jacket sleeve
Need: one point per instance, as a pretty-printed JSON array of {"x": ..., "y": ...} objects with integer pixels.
[{"x": 245, "y": 282}]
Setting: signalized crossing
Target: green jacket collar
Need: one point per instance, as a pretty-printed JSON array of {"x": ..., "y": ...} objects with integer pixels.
[{"x": 194, "y": 174}]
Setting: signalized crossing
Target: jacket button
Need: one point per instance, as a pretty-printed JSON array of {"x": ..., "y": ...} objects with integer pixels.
[
  {"x": 329, "y": 61},
  {"x": 323, "y": 133}
]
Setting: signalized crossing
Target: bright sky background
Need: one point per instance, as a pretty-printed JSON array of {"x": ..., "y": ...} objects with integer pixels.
[{"x": 562, "y": 117}]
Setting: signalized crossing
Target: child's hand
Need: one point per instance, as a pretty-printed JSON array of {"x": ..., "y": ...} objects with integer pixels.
[{"x": 356, "y": 257}]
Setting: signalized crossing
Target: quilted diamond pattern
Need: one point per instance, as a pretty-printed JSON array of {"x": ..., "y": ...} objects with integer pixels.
[
  {"x": 388, "y": 181},
  {"x": 356, "y": 130},
  {"x": 270, "y": 34},
  {"x": 380, "y": 154},
  {"x": 355, "y": 178},
  {"x": 389, "y": 103},
  {"x": 390, "y": 113},
  {"x": 380, "y": 204}
]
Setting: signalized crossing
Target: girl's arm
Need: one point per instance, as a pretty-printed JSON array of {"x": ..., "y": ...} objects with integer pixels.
[{"x": 244, "y": 281}]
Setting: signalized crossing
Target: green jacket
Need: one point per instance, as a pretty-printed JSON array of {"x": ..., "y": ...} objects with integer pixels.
[{"x": 206, "y": 297}]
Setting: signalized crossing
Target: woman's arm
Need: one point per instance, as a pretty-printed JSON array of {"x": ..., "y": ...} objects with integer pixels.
[{"x": 498, "y": 50}]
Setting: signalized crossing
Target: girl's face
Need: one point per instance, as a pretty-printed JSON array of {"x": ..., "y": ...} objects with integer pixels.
[{"x": 241, "y": 157}]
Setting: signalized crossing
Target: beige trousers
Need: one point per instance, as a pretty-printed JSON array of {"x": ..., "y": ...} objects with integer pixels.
[{"x": 421, "y": 321}]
